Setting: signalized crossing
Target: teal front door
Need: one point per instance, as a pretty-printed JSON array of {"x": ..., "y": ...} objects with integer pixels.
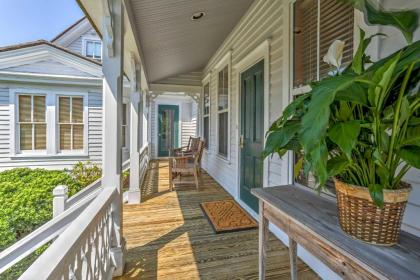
[
  {"x": 252, "y": 133},
  {"x": 168, "y": 129}
]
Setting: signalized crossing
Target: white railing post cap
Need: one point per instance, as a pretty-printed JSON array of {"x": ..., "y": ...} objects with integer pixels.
[{"x": 60, "y": 190}]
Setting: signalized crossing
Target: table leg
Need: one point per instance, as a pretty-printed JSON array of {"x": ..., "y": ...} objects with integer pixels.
[
  {"x": 293, "y": 258},
  {"x": 262, "y": 241}
]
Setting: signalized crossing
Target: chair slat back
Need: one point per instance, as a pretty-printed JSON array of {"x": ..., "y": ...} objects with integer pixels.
[
  {"x": 199, "y": 152},
  {"x": 194, "y": 144}
]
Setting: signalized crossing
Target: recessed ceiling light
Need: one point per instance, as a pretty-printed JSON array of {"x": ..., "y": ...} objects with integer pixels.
[{"x": 197, "y": 16}]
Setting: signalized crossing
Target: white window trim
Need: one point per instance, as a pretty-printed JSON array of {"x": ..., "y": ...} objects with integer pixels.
[
  {"x": 205, "y": 81},
  {"x": 51, "y": 121},
  {"x": 85, "y": 125},
  {"x": 225, "y": 61},
  {"x": 86, "y": 39}
]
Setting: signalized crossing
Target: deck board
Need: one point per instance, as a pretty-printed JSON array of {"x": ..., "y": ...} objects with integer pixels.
[{"x": 168, "y": 237}]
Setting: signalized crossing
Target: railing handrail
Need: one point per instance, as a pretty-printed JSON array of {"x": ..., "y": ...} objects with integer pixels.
[
  {"x": 48, "y": 265},
  {"x": 92, "y": 187},
  {"x": 43, "y": 234}
]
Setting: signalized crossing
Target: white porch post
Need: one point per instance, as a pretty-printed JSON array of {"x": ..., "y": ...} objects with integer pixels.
[
  {"x": 112, "y": 116},
  {"x": 134, "y": 191}
]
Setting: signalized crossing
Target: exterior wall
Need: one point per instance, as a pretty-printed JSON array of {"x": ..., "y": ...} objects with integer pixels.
[
  {"x": 55, "y": 161},
  {"x": 264, "y": 20},
  {"x": 187, "y": 119}
]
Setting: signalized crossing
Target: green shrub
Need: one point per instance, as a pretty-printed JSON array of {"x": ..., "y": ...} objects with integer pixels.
[
  {"x": 86, "y": 173},
  {"x": 26, "y": 200}
]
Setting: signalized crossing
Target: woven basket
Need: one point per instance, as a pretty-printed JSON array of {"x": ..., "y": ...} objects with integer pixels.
[{"x": 362, "y": 219}]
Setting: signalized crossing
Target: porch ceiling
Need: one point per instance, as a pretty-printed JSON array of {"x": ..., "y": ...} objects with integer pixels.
[{"x": 171, "y": 43}]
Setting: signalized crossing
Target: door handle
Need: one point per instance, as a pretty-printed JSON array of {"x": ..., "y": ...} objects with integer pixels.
[{"x": 241, "y": 141}]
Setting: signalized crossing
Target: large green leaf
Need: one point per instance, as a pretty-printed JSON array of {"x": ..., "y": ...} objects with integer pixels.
[
  {"x": 337, "y": 165},
  {"x": 412, "y": 136},
  {"x": 377, "y": 194},
  {"x": 405, "y": 21},
  {"x": 289, "y": 111},
  {"x": 381, "y": 79},
  {"x": 411, "y": 155},
  {"x": 355, "y": 93},
  {"x": 359, "y": 58},
  {"x": 345, "y": 134},
  {"x": 278, "y": 139},
  {"x": 315, "y": 121},
  {"x": 319, "y": 157}
]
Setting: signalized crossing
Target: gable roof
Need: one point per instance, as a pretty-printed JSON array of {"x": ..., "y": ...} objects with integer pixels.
[
  {"x": 44, "y": 58},
  {"x": 44, "y": 42},
  {"x": 68, "y": 29}
]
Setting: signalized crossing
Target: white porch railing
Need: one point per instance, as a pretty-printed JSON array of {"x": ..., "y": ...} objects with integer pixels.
[
  {"x": 84, "y": 249},
  {"x": 144, "y": 162},
  {"x": 43, "y": 234}
]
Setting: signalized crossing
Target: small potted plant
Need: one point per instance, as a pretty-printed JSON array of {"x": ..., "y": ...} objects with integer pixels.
[{"x": 361, "y": 128}]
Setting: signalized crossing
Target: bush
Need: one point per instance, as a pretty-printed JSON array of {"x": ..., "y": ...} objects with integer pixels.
[
  {"x": 26, "y": 200},
  {"x": 86, "y": 173}
]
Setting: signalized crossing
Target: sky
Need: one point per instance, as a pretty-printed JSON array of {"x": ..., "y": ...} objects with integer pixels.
[{"x": 29, "y": 20}]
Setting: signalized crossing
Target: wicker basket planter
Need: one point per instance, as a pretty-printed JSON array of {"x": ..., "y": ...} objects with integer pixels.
[{"x": 362, "y": 219}]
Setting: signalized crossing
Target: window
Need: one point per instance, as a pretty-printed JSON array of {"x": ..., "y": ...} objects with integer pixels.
[
  {"x": 70, "y": 122},
  {"x": 223, "y": 111},
  {"x": 316, "y": 24},
  {"x": 93, "y": 49},
  {"x": 206, "y": 115},
  {"x": 124, "y": 125},
  {"x": 32, "y": 122}
]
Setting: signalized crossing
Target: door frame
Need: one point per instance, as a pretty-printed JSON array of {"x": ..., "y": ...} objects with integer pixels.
[
  {"x": 260, "y": 53},
  {"x": 156, "y": 122}
]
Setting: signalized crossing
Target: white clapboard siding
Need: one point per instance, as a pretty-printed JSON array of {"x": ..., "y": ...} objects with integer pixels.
[
  {"x": 77, "y": 45},
  {"x": 264, "y": 20},
  {"x": 48, "y": 66},
  {"x": 4, "y": 122},
  {"x": 95, "y": 126}
]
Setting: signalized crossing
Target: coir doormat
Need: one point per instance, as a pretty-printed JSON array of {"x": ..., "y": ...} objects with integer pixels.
[{"x": 227, "y": 216}]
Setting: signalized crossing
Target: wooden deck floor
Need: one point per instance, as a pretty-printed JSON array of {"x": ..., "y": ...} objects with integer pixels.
[{"x": 169, "y": 238}]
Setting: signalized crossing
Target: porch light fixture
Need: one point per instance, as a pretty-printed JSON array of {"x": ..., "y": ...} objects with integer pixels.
[{"x": 197, "y": 16}]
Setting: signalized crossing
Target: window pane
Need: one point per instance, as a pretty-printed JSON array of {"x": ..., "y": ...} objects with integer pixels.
[
  {"x": 25, "y": 136},
  {"x": 78, "y": 136},
  {"x": 336, "y": 23},
  {"x": 223, "y": 133},
  {"x": 98, "y": 49},
  {"x": 39, "y": 108},
  {"x": 206, "y": 131},
  {"x": 64, "y": 109},
  {"x": 223, "y": 89},
  {"x": 25, "y": 108},
  {"x": 206, "y": 99},
  {"x": 65, "y": 136},
  {"x": 305, "y": 42},
  {"x": 90, "y": 48},
  {"x": 40, "y": 131},
  {"x": 77, "y": 110}
]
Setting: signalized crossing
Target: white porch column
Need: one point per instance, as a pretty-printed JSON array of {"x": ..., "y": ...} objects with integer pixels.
[
  {"x": 112, "y": 62},
  {"x": 134, "y": 190}
]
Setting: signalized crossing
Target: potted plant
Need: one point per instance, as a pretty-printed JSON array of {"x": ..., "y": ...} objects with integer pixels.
[{"x": 361, "y": 128}]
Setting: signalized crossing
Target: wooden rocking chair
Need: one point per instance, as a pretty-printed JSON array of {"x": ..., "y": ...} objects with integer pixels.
[
  {"x": 186, "y": 165},
  {"x": 188, "y": 150}
]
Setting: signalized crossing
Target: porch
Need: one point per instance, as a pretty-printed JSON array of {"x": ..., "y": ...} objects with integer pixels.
[{"x": 168, "y": 237}]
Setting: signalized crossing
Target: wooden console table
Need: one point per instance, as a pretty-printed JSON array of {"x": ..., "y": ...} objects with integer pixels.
[{"x": 311, "y": 221}]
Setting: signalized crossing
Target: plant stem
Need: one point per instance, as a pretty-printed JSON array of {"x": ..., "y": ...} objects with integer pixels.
[{"x": 397, "y": 114}]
